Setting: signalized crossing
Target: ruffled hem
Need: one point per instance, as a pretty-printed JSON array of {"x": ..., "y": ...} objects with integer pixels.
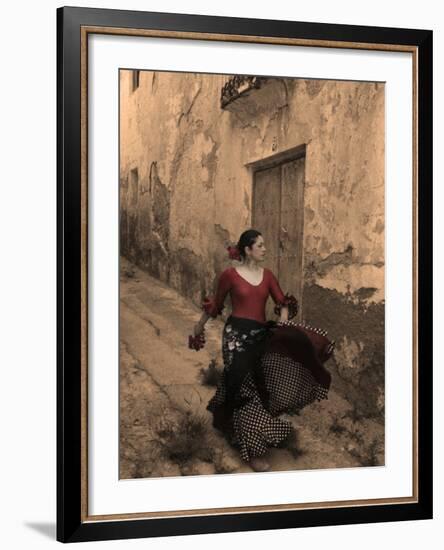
[
  {"x": 323, "y": 346},
  {"x": 209, "y": 306},
  {"x": 290, "y": 302},
  {"x": 256, "y": 443}
]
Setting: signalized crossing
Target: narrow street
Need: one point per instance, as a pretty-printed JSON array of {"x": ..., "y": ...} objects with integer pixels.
[{"x": 165, "y": 429}]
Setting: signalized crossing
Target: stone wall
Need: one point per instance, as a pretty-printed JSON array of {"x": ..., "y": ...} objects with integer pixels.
[{"x": 186, "y": 192}]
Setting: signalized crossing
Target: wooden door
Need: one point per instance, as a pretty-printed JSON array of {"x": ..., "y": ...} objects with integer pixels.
[{"x": 278, "y": 213}]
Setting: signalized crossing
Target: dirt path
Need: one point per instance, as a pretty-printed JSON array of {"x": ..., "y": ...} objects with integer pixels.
[{"x": 165, "y": 429}]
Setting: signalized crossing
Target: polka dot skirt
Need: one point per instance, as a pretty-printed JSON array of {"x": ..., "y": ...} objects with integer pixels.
[{"x": 291, "y": 387}]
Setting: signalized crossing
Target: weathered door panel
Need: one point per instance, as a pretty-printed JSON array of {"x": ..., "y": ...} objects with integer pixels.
[
  {"x": 266, "y": 208},
  {"x": 278, "y": 210},
  {"x": 291, "y": 227}
]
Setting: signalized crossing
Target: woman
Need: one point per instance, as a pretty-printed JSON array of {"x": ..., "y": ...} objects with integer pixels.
[{"x": 269, "y": 367}]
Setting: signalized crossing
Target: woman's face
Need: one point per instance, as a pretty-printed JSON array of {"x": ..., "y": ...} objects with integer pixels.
[{"x": 257, "y": 251}]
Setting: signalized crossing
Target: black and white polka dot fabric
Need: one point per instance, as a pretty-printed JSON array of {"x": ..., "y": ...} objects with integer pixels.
[
  {"x": 253, "y": 427},
  {"x": 291, "y": 386}
]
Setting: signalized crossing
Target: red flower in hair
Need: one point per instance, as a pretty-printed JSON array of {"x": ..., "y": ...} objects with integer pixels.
[{"x": 233, "y": 253}]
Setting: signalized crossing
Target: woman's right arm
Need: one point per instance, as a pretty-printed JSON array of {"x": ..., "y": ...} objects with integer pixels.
[
  {"x": 200, "y": 325},
  {"x": 214, "y": 305}
]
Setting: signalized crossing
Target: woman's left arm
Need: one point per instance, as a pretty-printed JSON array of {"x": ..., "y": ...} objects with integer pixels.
[{"x": 286, "y": 305}]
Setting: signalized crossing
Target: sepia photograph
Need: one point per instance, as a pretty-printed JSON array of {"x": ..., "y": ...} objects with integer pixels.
[{"x": 252, "y": 269}]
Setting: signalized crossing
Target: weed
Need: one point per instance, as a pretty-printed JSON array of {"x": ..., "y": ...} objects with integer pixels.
[
  {"x": 337, "y": 428},
  {"x": 371, "y": 458},
  {"x": 354, "y": 414},
  {"x": 186, "y": 439},
  {"x": 211, "y": 375},
  {"x": 367, "y": 456}
]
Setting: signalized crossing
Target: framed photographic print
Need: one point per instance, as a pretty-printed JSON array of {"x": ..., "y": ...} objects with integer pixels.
[{"x": 244, "y": 274}]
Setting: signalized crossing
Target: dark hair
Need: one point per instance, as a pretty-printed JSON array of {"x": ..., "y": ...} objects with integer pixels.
[{"x": 248, "y": 238}]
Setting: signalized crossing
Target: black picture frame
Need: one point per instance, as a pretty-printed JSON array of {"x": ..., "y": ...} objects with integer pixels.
[{"x": 73, "y": 523}]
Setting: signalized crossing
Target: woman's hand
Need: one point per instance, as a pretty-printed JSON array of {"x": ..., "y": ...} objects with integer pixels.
[
  {"x": 284, "y": 314},
  {"x": 198, "y": 328}
]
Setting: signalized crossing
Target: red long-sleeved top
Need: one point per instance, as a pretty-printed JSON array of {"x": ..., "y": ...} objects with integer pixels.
[{"x": 247, "y": 300}]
